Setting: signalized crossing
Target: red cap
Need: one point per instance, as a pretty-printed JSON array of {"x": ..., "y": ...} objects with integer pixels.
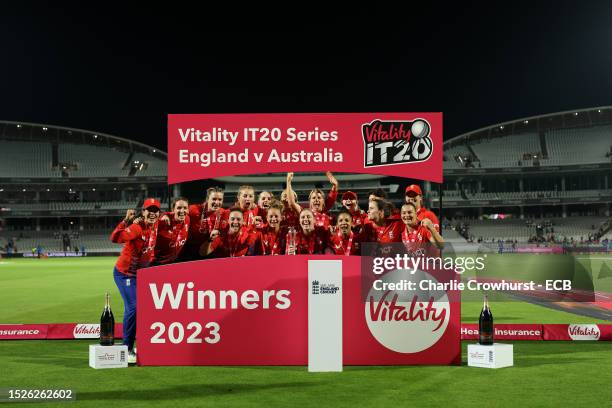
[
  {"x": 151, "y": 202},
  {"x": 413, "y": 188},
  {"x": 349, "y": 195}
]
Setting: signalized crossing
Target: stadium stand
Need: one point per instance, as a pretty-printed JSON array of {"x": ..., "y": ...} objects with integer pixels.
[
  {"x": 26, "y": 159},
  {"x": 93, "y": 161},
  {"x": 505, "y": 151},
  {"x": 573, "y": 146},
  {"x": 68, "y": 181}
]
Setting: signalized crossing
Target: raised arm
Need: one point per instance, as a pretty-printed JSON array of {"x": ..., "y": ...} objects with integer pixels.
[
  {"x": 435, "y": 237},
  {"x": 123, "y": 232},
  {"x": 332, "y": 196},
  {"x": 291, "y": 195}
]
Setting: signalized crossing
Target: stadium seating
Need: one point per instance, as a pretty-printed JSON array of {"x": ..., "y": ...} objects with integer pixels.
[
  {"x": 155, "y": 166},
  {"x": 580, "y": 145},
  {"x": 93, "y": 161},
  {"x": 514, "y": 195},
  {"x": 26, "y": 159},
  {"x": 72, "y": 206},
  {"x": 516, "y": 229},
  {"x": 505, "y": 151}
]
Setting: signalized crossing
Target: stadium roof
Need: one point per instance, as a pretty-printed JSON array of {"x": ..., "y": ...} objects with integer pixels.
[
  {"x": 601, "y": 115},
  {"x": 10, "y": 130}
]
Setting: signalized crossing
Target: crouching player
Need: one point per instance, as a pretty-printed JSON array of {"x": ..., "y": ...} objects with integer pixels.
[
  {"x": 139, "y": 235},
  {"x": 238, "y": 241}
]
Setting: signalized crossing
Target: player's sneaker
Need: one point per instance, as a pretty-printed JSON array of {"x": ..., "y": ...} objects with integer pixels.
[{"x": 131, "y": 357}]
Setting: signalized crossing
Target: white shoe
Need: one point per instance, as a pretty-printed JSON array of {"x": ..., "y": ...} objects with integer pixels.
[{"x": 132, "y": 357}]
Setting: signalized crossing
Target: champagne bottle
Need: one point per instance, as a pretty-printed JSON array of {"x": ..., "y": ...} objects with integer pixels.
[
  {"x": 107, "y": 325},
  {"x": 485, "y": 324}
]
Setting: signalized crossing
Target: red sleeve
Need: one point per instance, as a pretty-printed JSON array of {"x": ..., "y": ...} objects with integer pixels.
[
  {"x": 217, "y": 242},
  {"x": 114, "y": 237},
  {"x": 331, "y": 199},
  {"x": 425, "y": 233},
  {"x": 398, "y": 229},
  {"x": 435, "y": 220},
  {"x": 122, "y": 234}
]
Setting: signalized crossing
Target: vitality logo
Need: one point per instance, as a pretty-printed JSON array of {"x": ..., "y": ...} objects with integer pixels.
[{"x": 396, "y": 142}]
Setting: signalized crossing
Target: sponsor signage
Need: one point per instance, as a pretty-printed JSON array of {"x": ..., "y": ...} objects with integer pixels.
[
  {"x": 396, "y": 144},
  {"x": 254, "y": 311},
  {"x": 505, "y": 332},
  {"x": 23, "y": 331}
]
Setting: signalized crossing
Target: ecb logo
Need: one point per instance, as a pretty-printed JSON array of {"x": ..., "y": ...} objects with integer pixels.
[{"x": 396, "y": 142}]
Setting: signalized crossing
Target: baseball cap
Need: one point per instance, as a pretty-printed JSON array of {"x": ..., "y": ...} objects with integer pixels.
[
  {"x": 349, "y": 195},
  {"x": 413, "y": 188},
  {"x": 151, "y": 202}
]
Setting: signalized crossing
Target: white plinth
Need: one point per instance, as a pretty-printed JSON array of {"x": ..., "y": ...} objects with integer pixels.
[
  {"x": 108, "y": 356},
  {"x": 324, "y": 316},
  {"x": 497, "y": 355}
]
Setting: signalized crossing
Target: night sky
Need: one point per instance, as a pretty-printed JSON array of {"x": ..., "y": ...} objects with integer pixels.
[{"x": 121, "y": 72}]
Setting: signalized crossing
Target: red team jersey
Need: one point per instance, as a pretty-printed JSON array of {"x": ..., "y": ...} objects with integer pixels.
[
  {"x": 360, "y": 217},
  {"x": 425, "y": 213},
  {"x": 418, "y": 240},
  {"x": 270, "y": 242},
  {"x": 249, "y": 217},
  {"x": 314, "y": 243},
  {"x": 322, "y": 220},
  {"x": 342, "y": 245},
  {"x": 290, "y": 217},
  {"x": 419, "y": 235},
  {"x": 391, "y": 231},
  {"x": 139, "y": 243},
  {"x": 170, "y": 239},
  {"x": 235, "y": 245},
  {"x": 201, "y": 223}
]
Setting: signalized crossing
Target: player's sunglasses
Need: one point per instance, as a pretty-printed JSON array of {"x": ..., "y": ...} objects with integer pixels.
[{"x": 152, "y": 209}]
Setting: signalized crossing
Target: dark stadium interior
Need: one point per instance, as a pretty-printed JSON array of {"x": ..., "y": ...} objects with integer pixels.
[{"x": 60, "y": 183}]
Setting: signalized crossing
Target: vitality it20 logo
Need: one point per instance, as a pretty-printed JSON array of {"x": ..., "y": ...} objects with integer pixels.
[{"x": 396, "y": 142}]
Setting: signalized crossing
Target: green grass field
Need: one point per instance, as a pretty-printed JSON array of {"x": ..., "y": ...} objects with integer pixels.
[{"x": 55, "y": 291}]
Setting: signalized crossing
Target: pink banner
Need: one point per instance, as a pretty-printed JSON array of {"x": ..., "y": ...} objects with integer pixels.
[
  {"x": 601, "y": 332},
  {"x": 79, "y": 331},
  {"x": 395, "y": 144},
  {"x": 540, "y": 250},
  {"x": 505, "y": 332},
  {"x": 254, "y": 311}
]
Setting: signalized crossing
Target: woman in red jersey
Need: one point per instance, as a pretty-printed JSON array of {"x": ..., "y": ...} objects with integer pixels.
[
  {"x": 238, "y": 241},
  {"x": 310, "y": 239},
  {"x": 317, "y": 204},
  {"x": 344, "y": 241},
  {"x": 382, "y": 228},
  {"x": 418, "y": 232},
  {"x": 139, "y": 235},
  {"x": 350, "y": 203},
  {"x": 271, "y": 236},
  {"x": 203, "y": 219},
  {"x": 246, "y": 202},
  {"x": 263, "y": 203},
  {"x": 290, "y": 216},
  {"x": 172, "y": 233}
]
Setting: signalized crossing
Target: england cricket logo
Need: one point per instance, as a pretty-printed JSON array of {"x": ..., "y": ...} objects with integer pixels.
[{"x": 396, "y": 142}]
